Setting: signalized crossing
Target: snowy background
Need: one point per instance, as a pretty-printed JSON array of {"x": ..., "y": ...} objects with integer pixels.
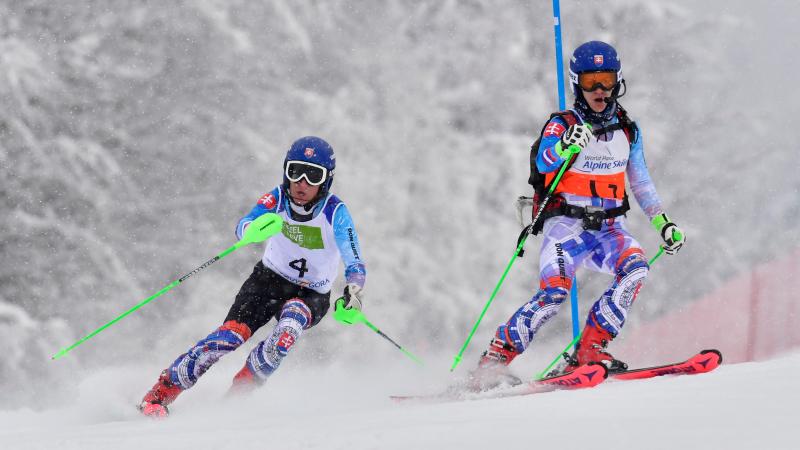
[{"x": 135, "y": 134}]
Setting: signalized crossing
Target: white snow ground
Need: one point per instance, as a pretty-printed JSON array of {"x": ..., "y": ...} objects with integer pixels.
[{"x": 739, "y": 406}]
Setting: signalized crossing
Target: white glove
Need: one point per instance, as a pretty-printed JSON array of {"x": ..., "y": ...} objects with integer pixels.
[
  {"x": 673, "y": 237},
  {"x": 353, "y": 296},
  {"x": 577, "y": 135}
]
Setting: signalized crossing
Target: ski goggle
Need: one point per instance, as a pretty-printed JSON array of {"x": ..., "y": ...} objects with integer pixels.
[
  {"x": 313, "y": 173},
  {"x": 589, "y": 81}
]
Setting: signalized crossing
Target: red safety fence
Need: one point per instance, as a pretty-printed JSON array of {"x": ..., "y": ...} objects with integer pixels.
[{"x": 753, "y": 316}]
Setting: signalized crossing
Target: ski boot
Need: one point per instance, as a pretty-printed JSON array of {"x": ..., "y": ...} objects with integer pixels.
[
  {"x": 492, "y": 370},
  {"x": 591, "y": 348},
  {"x": 244, "y": 382},
  {"x": 154, "y": 404},
  {"x": 154, "y": 410}
]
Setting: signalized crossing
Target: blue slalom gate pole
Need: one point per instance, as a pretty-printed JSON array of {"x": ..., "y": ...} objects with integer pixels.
[
  {"x": 562, "y": 105},
  {"x": 562, "y": 102}
]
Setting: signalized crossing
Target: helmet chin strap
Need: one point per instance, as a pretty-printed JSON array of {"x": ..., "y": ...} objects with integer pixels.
[
  {"x": 299, "y": 208},
  {"x": 615, "y": 95},
  {"x": 301, "y": 213}
]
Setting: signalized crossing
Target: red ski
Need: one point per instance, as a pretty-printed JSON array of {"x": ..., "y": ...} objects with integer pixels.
[
  {"x": 589, "y": 375},
  {"x": 705, "y": 361},
  {"x": 586, "y": 376}
]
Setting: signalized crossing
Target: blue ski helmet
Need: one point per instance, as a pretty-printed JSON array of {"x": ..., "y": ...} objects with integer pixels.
[
  {"x": 594, "y": 56},
  {"x": 314, "y": 150}
]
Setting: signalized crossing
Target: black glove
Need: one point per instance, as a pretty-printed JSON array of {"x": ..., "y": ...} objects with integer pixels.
[
  {"x": 577, "y": 136},
  {"x": 353, "y": 296}
]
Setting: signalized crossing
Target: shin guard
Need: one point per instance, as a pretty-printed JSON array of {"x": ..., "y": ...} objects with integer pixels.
[
  {"x": 190, "y": 366},
  {"x": 611, "y": 310},
  {"x": 267, "y": 356},
  {"x": 523, "y": 325}
]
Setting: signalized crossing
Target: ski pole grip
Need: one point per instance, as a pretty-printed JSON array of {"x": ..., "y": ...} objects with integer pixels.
[{"x": 346, "y": 316}]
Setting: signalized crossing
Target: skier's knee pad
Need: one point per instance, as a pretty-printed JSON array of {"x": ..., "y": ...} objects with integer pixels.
[
  {"x": 611, "y": 310},
  {"x": 633, "y": 263},
  {"x": 226, "y": 338},
  {"x": 295, "y": 317},
  {"x": 631, "y": 274},
  {"x": 524, "y": 324},
  {"x": 554, "y": 295},
  {"x": 190, "y": 366},
  {"x": 267, "y": 356},
  {"x": 297, "y": 310},
  {"x": 544, "y": 304}
]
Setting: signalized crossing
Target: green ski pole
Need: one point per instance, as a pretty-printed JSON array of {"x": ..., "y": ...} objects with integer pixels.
[
  {"x": 351, "y": 316},
  {"x": 259, "y": 230},
  {"x": 574, "y": 341},
  {"x": 574, "y": 150}
]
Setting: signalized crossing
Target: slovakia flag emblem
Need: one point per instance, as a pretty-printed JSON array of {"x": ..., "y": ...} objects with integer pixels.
[
  {"x": 598, "y": 60},
  {"x": 309, "y": 152},
  {"x": 554, "y": 129},
  {"x": 268, "y": 200}
]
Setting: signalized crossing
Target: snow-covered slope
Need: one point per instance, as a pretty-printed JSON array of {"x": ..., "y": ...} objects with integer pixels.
[
  {"x": 134, "y": 134},
  {"x": 740, "y": 406}
]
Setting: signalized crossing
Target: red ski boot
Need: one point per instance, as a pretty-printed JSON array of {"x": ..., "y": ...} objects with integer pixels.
[
  {"x": 492, "y": 370},
  {"x": 164, "y": 392},
  {"x": 592, "y": 348},
  {"x": 244, "y": 382},
  {"x": 154, "y": 410}
]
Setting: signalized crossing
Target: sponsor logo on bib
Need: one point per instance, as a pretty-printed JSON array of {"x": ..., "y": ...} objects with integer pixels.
[{"x": 303, "y": 235}]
